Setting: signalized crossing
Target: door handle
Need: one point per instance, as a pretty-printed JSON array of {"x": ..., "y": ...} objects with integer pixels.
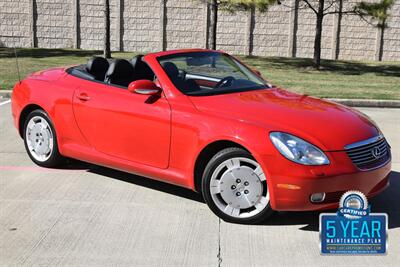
[{"x": 83, "y": 97}]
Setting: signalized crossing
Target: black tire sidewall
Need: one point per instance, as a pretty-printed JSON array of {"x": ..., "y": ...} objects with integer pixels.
[
  {"x": 220, "y": 157},
  {"x": 55, "y": 157}
]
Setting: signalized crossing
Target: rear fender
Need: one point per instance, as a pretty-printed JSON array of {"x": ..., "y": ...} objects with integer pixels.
[{"x": 56, "y": 100}]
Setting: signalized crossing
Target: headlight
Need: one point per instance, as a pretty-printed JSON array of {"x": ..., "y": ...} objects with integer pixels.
[{"x": 298, "y": 150}]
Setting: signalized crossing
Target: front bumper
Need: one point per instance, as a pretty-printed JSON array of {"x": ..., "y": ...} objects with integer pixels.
[{"x": 291, "y": 185}]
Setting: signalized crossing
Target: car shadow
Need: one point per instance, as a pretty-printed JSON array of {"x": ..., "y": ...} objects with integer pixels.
[
  {"x": 135, "y": 179},
  {"x": 387, "y": 202}
]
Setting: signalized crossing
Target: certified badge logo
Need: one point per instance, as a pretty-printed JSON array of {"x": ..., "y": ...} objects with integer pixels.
[
  {"x": 353, "y": 229},
  {"x": 353, "y": 205}
]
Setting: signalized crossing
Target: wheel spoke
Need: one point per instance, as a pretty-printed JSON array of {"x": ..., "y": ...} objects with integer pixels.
[
  {"x": 49, "y": 134},
  {"x": 31, "y": 136},
  {"x": 30, "y": 125},
  {"x": 46, "y": 150},
  {"x": 233, "y": 163},
  {"x": 214, "y": 183},
  {"x": 260, "y": 173},
  {"x": 40, "y": 149},
  {"x": 35, "y": 147},
  {"x": 215, "y": 190},
  {"x": 232, "y": 211},
  {"x": 248, "y": 201},
  {"x": 42, "y": 127},
  {"x": 261, "y": 204}
]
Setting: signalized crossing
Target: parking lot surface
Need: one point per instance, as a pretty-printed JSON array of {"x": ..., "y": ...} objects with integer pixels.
[{"x": 86, "y": 215}]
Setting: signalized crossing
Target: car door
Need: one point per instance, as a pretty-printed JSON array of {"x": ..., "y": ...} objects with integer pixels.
[{"x": 121, "y": 124}]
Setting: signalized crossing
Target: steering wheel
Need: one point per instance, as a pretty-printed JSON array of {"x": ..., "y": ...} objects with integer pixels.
[{"x": 225, "y": 82}]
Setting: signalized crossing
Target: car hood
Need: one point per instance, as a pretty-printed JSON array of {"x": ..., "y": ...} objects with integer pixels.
[{"x": 328, "y": 125}]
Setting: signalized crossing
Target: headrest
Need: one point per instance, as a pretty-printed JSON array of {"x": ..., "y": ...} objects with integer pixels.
[
  {"x": 97, "y": 64},
  {"x": 171, "y": 69},
  {"x": 120, "y": 68},
  {"x": 142, "y": 70},
  {"x": 136, "y": 60}
]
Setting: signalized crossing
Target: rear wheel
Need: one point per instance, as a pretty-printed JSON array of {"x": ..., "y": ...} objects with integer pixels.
[
  {"x": 40, "y": 139},
  {"x": 235, "y": 187}
]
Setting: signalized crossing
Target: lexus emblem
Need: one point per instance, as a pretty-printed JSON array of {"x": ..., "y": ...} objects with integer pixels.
[{"x": 376, "y": 152}]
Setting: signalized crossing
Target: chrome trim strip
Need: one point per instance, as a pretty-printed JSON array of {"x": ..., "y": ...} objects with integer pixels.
[
  {"x": 368, "y": 146},
  {"x": 367, "y": 161},
  {"x": 201, "y": 77},
  {"x": 364, "y": 142},
  {"x": 363, "y": 155},
  {"x": 377, "y": 167}
]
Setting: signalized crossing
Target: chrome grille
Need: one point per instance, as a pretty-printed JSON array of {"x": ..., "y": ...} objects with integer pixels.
[{"x": 370, "y": 153}]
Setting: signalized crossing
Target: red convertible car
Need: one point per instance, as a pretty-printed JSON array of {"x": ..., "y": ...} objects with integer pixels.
[{"x": 203, "y": 120}]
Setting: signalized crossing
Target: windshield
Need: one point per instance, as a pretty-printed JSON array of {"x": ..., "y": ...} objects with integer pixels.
[{"x": 209, "y": 73}]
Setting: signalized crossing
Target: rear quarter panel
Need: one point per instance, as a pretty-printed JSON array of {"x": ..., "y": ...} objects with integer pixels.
[{"x": 54, "y": 96}]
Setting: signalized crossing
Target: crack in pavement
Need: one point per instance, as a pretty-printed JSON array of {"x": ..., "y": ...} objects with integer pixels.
[
  {"x": 219, "y": 243},
  {"x": 40, "y": 241}
]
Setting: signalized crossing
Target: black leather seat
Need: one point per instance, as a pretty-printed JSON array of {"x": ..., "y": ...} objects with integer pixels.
[
  {"x": 142, "y": 70},
  {"x": 171, "y": 69},
  {"x": 97, "y": 66},
  {"x": 120, "y": 72},
  {"x": 176, "y": 77}
]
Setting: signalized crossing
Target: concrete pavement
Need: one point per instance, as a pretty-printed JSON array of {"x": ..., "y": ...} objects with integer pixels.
[{"x": 86, "y": 215}]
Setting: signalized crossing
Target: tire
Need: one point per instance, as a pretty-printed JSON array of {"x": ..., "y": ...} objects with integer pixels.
[
  {"x": 40, "y": 140},
  {"x": 235, "y": 187}
]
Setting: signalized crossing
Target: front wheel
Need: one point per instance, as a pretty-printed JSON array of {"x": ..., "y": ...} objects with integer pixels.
[
  {"x": 235, "y": 187},
  {"x": 40, "y": 139}
]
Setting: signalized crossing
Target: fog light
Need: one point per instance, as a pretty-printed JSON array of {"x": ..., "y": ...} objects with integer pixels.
[{"x": 317, "y": 197}]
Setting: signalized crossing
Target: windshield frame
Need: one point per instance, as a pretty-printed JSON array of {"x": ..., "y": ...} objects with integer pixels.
[{"x": 221, "y": 90}]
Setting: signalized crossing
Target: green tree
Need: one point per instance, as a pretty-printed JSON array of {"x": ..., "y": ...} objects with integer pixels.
[
  {"x": 379, "y": 13},
  {"x": 230, "y": 5},
  {"x": 321, "y": 8}
]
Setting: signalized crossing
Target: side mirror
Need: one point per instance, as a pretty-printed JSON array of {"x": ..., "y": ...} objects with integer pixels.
[{"x": 144, "y": 87}]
